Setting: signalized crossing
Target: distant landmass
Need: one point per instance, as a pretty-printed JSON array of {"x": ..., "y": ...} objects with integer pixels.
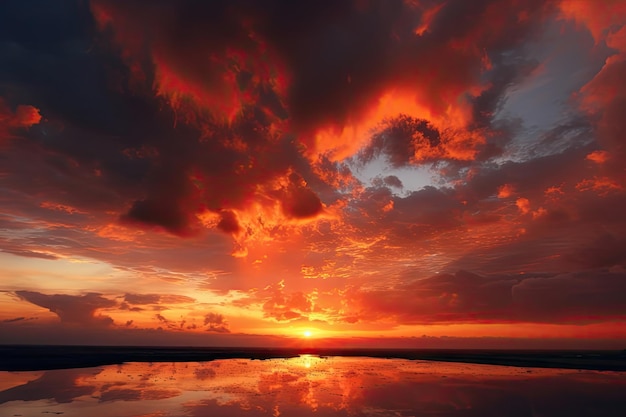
[{"x": 36, "y": 357}]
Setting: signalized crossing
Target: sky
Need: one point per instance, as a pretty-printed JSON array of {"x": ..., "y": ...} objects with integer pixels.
[{"x": 409, "y": 173}]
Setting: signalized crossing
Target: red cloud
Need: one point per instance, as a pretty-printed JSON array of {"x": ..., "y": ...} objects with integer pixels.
[
  {"x": 268, "y": 85},
  {"x": 605, "y": 95},
  {"x": 24, "y": 116},
  {"x": 599, "y": 157}
]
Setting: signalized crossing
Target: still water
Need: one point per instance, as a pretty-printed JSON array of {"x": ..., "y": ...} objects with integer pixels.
[{"x": 312, "y": 386}]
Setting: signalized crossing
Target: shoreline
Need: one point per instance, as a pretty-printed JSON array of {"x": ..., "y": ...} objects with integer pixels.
[{"x": 38, "y": 358}]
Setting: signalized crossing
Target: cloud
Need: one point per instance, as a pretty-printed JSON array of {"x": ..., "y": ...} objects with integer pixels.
[
  {"x": 279, "y": 304},
  {"x": 607, "y": 250},
  {"x": 31, "y": 254},
  {"x": 215, "y": 322},
  {"x": 605, "y": 95},
  {"x": 290, "y": 141},
  {"x": 405, "y": 140},
  {"x": 24, "y": 116},
  {"x": 13, "y": 320},
  {"x": 287, "y": 307},
  {"x": 144, "y": 299},
  {"x": 421, "y": 213},
  {"x": 72, "y": 309},
  {"x": 301, "y": 202},
  {"x": 169, "y": 323},
  {"x": 156, "y": 302},
  {"x": 464, "y": 297},
  {"x": 167, "y": 214},
  {"x": 260, "y": 75},
  {"x": 393, "y": 181},
  {"x": 228, "y": 222}
]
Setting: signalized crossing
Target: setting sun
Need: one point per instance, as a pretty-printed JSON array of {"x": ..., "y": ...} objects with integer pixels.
[{"x": 307, "y": 333}]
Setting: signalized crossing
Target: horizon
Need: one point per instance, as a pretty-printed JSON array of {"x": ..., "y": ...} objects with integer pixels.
[
  {"x": 409, "y": 174},
  {"x": 318, "y": 349},
  {"x": 17, "y": 358}
]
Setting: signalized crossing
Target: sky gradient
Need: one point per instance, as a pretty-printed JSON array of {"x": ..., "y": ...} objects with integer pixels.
[{"x": 377, "y": 173}]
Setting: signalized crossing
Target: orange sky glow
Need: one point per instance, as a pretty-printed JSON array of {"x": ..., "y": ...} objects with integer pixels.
[{"x": 366, "y": 173}]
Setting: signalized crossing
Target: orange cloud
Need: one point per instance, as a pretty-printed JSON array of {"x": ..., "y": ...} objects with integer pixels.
[
  {"x": 253, "y": 57},
  {"x": 601, "y": 185},
  {"x": 24, "y": 116},
  {"x": 599, "y": 157},
  {"x": 523, "y": 204},
  {"x": 278, "y": 141},
  {"x": 61, "y": 207},
  {"x": 506, "y": 191}
]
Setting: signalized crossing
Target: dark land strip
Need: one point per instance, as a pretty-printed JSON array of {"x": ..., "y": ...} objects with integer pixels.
[{"x": 35, "y": 357}]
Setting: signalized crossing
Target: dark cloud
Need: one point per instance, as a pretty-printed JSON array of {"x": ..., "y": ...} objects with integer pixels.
[
  {"x": 393, "y": 181},
  {"x": 582, "y": 297},
  {"x": 144, "y": 299},
  {"x": 14, "y": 320},
  {"x": 526, "y": 177},
  {"x": 430, "y": 208},
  {"x": 316, "y": 64},
  {"x": 404, "y": 140},
  {"x": 228, "y": 222},
  {"x": 215, "y": 322},
  {"x": 301, "y": 203},
  {"x": 167, "y": 214},
  {"x": 508, "y": 68},
  {"x": 72, "y": 309},
  {"x": 606, "y": 251},
  {"x": 607, "y": 98},
  {"x": 337, "y": 58},
  {"x": 169, "y": 324}
]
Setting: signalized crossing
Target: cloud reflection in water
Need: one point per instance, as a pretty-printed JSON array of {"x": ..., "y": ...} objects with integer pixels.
[{"x": 310, "y": 385}]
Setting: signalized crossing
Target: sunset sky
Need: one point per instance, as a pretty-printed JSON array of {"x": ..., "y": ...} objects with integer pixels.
[{"x": 374, "y": 172}]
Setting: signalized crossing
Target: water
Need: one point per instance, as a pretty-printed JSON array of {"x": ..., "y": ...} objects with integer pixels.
[{"x": 312, "y": 386}]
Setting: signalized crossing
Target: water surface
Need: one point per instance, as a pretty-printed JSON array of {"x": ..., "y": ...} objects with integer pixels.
[{"x": 312, "y": 386}]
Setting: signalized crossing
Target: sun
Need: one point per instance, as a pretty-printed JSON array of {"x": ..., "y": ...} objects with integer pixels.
[{"x": 307, "y": 334}]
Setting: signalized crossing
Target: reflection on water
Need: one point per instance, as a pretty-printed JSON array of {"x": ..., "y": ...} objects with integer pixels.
[{"x": 310, "y": 385}]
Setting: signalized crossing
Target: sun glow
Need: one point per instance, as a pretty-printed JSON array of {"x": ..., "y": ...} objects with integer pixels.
[{"x": 307, "y": 334}]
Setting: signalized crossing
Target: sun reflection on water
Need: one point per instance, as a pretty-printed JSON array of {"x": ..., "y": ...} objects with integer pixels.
[{"x": 307, "y": 360}]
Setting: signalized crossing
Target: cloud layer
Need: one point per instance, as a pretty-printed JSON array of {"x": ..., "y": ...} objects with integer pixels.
[{"x": 347, "y": 166}]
